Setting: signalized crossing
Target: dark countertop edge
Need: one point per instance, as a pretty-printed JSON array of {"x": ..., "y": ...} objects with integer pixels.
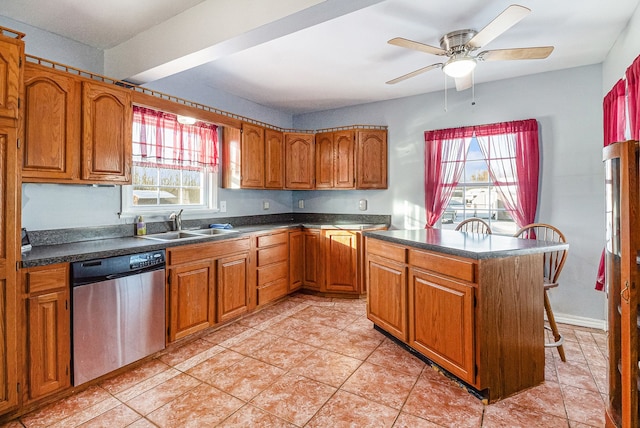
[
  {"x": 101, "y": 248},
  {"x": 532, "y": 246}
]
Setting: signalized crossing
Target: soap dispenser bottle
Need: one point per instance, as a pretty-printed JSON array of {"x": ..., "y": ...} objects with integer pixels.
[{"x": 141, "y": 227}]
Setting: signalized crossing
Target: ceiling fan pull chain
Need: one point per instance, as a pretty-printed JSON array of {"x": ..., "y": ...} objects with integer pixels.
[
  {"x": 473, "y": 88},
  {"x": 445, "y": 92}
]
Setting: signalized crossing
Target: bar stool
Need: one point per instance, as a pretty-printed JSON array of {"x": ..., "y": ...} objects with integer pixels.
[
  {"x": 474, "y": 225},
  {"x": 553, "y": 263}
]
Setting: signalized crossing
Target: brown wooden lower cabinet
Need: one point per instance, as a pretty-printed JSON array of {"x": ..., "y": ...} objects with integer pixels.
[
  {"x": 48, "y": 329},
  {"x": 312, "y": 279},
  {"x": 272, "y": 254},
  {"x": 441, "y": 321},
  {"x": 340, "y": 248},
  {"x": 206, "y": 284},
  {"x": 473, "y": 318},
  {"x": 387, "y": 294},
  {"x": 296, "y": 258},
  {"x": 191, "y": 298},
  {"x": 233, "y": 291}
]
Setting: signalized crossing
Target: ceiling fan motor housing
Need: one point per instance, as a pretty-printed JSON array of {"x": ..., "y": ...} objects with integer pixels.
[{"x": 455, "y": 41}]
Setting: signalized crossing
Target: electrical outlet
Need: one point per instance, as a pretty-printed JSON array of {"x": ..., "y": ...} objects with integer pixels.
[
  {"x": 362, "y": 204},
  {"x": 265, "y": 205},
  {"x": 301, "y": 203},
  {"x": 223, "y": 206}
]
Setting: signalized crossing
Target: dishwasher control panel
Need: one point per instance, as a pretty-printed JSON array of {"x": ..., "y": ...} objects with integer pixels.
[{"x": 153, "y": 258}]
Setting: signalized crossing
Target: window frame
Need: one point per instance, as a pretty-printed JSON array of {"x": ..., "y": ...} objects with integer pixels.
[{"x": 210, "y": 189}]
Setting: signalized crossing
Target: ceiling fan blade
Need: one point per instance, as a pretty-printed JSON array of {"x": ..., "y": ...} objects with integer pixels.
[
  {"x": 410, "y": 44},
  {"x": 501, "y": 23},
  {"x": 540, "y": 52},
  {"x": 413, "y": 73},
  {"x": 464, "y": 82}
]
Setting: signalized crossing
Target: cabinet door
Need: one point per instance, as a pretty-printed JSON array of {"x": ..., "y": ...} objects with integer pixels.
[
  {"x": 344, "y": 160},
  {"x": 296, "y": 259},
  {"x": 233, "y": 294},
  {"x": 10, "y": 53},
  {"x": 9, "y": 229},
  {"x": 191, "y": 298},
  {"x": 340, "y": 260},
  {"x": 49, "y": 340},
  {"x": 252, "y": 156},
  {"x": 371, "y": 159},
  {"x": 324, "y": 160},
  {"x": 387, "y": 295},
  {"x": 441, "y": 322},
  {"x": 231, "y": 159},
  {"x": 51, "y": 124},
  {"x": 273, "y": 159},
  {"x": 107, "y": 118},
  {"x": 299, "y": 152},
  {"x": 312, "y": 253}
]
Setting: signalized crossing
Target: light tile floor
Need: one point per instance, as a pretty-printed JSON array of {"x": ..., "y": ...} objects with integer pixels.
[{"x": 317, "y": 362}]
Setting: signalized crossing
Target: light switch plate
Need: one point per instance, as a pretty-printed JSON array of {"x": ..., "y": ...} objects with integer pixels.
[
  {"x": 223, "y": 206},
  {"x": 265, "y": 205},
  {"x": 301, "y": 203}
]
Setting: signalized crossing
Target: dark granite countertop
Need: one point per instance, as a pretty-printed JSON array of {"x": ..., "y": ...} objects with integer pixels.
[
  {"x": 463, "y": 244},
  {"x": 102, "y": 244}
]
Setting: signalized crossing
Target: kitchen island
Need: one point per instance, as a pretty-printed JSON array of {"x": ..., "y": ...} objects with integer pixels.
[{"x": 470, "y": 303}]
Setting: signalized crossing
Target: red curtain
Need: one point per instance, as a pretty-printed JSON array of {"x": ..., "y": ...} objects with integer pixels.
[
  {"x": 513, "y": 155},
  {"x": 633, "y": 89},
  {"x": 614, "y": 114},
  {"x": 514, "y": 171},
  {"x": 613, "y": 109},
  {"x": 159, "y": 139},
  {"x": 443, "y": 165}
]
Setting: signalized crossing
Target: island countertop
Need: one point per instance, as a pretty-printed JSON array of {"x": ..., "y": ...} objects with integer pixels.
[{"x": 465, "y": 244}]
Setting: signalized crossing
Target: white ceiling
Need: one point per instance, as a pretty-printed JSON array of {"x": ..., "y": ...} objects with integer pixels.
[{"x": 300, "y": 56}]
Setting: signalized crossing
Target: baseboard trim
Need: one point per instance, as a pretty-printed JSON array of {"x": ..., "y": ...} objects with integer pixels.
[{"x": 580, "y": 321}]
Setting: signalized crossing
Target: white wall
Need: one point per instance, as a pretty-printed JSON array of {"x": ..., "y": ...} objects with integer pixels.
[
  {"x": 567, "y": 107},
  {"x": 622, "y": 53}
]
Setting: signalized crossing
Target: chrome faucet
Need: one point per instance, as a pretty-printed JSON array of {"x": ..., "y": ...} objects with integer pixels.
[{"x": 177, "y": 220}]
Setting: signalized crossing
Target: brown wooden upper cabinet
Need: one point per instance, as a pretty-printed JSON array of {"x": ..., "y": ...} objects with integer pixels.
[
  {"x": 51, "y": 124},
  {"x": 299, "y": 149},
  {"x": 75, "y": 129},
  {"x": 107, "y": 117},
  {"x": 10, "y": 54},
  {"x": 335, "y": 160},
  {"x": 371, "y": 159},
  {"x": 252, "y": 158}
]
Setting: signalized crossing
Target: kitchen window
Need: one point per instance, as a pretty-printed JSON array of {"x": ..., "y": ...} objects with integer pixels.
[
  {"x": 487, "y": 171},
  {"x": 175, "y": 164}
]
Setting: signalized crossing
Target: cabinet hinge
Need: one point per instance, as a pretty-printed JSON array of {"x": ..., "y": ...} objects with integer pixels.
[
  {"x": 18, "y": 102},
  {"x": 66, "y": 305},
  {"x": 18, "y": 142},
  {"x": 17, "y": 266},
  {"x": 475, "y": 301},
  {"x": 18, "y": 387},
  {"x": 168, "y": 331},
  {"x": 20, "y": 62},
  {"x": 169, "y": 280},
  {"x": 475, "y": 370}
]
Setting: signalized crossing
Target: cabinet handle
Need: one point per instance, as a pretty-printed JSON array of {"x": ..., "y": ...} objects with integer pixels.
[{"x": 625, "y": 292}]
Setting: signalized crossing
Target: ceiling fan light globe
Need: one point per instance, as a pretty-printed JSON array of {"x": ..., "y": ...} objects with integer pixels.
[{"x": 459, "y": 67}]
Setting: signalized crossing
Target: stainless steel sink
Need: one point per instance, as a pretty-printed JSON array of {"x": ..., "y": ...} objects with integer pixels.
[
  {"x": 211, "y": 232},
  {"x": 172, "y": 236}
]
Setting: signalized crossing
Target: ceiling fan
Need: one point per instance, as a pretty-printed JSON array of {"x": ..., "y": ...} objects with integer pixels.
[{"x": 459, "y": 46}]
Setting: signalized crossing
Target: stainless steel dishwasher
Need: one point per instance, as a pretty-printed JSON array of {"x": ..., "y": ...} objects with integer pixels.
[{"x": 118, "y": 308}]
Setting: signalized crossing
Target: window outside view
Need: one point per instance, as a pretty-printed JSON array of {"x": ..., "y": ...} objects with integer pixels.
[
  {"x": 165, "y": 186},
  {"x": 476, "y": 196}
]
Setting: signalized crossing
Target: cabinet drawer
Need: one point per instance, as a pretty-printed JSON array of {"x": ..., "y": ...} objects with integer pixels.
[
  {"x": 272, "y": 255},
  {"x": 273, "y": 239},
  {"x": 387, "y": 250},
  {"x": 47, "y": 278},
  {"x": 447, "y": 265},
  {"x": 272, "y": 292},
  {"x": 272, "y": 273},
  {"x": 191, "y": 253}
]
